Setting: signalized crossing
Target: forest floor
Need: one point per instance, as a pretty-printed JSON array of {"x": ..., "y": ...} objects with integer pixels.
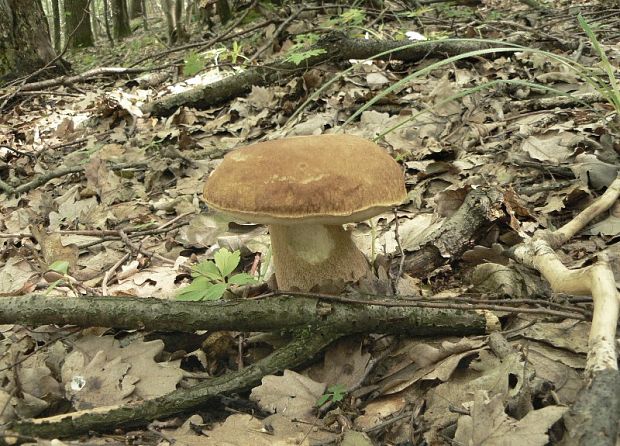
[{"x": 97, "y": 198}]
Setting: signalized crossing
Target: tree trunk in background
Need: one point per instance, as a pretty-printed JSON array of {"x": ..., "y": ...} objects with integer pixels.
[
  {"x": 135, "y": 9},
  {"x": 223, "y": 11},
  {"x": 106, "y": 21},
  {"x": 173, "y": 12},
  {"x": 77, "y": 24},
  {"x": 25, "y": 44},
  {"x": 120, "y": 18},
  {"x": 94, "y": 21},
  {"x": 145, "y": 22},
  {"x": 56, "y": 21}
]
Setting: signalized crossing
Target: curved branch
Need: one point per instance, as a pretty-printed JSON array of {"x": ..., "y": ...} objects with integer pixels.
[{"x": 305, "y": 345}]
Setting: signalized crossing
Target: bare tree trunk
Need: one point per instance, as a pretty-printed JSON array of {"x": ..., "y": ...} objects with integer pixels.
[
  {"x": 56, "y": 22},
  {"x": 144, "y": 18},
  {"x": 106, "y": 21},
  {"x": 135, "y": 9},
  {"x": 120, "y": 17},
  {"x": 223, "y": 11},
  {"x": 25, "y": 44},
  {"x": 95, "y": 24},
  {"x": 173, "y": 11},
  {"x": 77, "y": 23}
]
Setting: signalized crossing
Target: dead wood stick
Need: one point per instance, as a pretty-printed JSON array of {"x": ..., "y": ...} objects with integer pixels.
[
  {"x": 457, "y": 234},
  {"x": 336, "y": 46},
  {"x": 40, "y": 180},
  {"x": 69, "y": 80},
  {"x": 274, "y": 313},
  {"x": 593, "y": 419},
  {"x": 305, "y": 345},
  {"x": 276, "y": 34}
]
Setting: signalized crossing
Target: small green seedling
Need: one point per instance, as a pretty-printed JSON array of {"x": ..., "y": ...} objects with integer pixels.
[
  {"x": 334, "y": 394},
  {"x": 193, "y": 64},
  {"x": 302, "y": 49},
  {"x": 213, "y": 277},
  {"x": 299, "y": 57},
  {"x": 61, "y": 267},
  {"x": 235, "y": 52}
]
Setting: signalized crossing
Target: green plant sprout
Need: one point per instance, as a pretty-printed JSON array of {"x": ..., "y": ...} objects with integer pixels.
[
  {"x": 235, "y": 52},
  {"x": 193, "y": 64},
  {"x": 213, "y": 277},
  {"x": 334, "y": 394},
  {"x": 60, "y": 267},
  {"x": 299, "y": 57},
  {"x": 302, "y": 50}
]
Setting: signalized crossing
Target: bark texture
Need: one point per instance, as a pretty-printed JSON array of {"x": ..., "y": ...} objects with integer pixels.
[
  {"x": 77, "y": 23},
  {"x": 337, "y": 47},
  {"x": 24, "y": 38},
  {"x": 120, "y": 17}
]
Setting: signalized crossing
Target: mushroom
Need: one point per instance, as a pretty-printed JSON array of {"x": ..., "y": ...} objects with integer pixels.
[{"x": 305, "y": 188}]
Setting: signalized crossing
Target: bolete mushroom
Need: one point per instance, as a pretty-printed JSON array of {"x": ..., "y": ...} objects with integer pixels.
[{"x": 305, "y": 188}]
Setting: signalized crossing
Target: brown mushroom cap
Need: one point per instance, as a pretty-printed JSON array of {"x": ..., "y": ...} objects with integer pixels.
[{"x": 325, "y": 179}]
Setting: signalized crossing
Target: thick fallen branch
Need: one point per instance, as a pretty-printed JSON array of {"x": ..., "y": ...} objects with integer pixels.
[
  {"x": 305, "y": 345},
  {"x": 337, "y": 48},
  {"x": 274, "y": 313},
  {"x": 315, "y": 325},
  {"x": 458, "y": 233}
]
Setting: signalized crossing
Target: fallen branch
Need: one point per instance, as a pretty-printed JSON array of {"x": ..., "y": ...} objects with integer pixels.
[
  {"x": 274, "y": 313},
  {"x": 305, "y": 345},
  {"x": 458, "y": 233},
  {"x": 593, "y": 420},
  {"x": 70, "y": 80},
  {"x": 315, "y": 326},
  {"x": 40, "y": 180},
  {"x": 336, "y": 46}
]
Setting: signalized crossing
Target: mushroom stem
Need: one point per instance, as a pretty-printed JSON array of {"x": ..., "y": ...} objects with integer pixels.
[{"x": 315, "y": 257}]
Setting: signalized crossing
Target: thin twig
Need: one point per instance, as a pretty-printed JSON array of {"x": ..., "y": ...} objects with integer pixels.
[
  {"x": 428, "y": 304},
  {"x": 135, "y": 248},
  {"x": 401, "y": 265},
  {"x": 275, "y": 35},
  {"x": 108, "y": 273}
]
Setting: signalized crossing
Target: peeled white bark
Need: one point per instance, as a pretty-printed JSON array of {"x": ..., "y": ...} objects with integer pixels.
[{"x": 596, "y": 280}]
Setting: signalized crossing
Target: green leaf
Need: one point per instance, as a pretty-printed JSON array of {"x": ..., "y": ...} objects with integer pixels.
[
  {"x": 208, "y": 270},
  {"x": 195, "y": 290},
  {"x": 338, "y": 392},
  {"x": 193, "y": 64},
  {"x": 298, "y": 58},
  {"x": 215, "y": 292},
  {"x": 335, "y": 393},
  {"x": 241, "y": 279},
  {"x": 226, "y": 261},
  {"x": 323, "y": 399},
  {"x": 60, "y": 266}
]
